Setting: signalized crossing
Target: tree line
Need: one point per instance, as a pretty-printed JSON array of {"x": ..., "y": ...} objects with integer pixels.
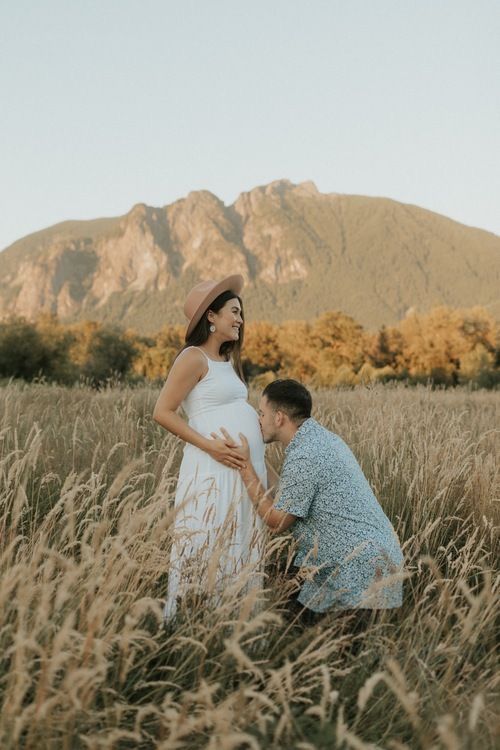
[{"x": 445, "y": 346}]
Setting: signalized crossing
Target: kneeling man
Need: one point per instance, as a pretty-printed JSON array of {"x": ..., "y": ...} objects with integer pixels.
[{"x": 326, "y": 501}]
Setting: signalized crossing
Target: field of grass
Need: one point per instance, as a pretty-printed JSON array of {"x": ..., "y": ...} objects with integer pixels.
[{"x": 86, "y": 482}]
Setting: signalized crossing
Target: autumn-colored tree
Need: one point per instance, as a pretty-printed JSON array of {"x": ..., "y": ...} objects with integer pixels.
[
  {"x": 431, "y": 344},
  {"x": 479, "y": 346},
  {"x": 298, "y": 357},
  {"x": 262, "y": 350},
  {"x": 342, "y": 337},
  {"x": 338, "y": 342},
  {"x": 435, "y": 344},
  {"x": 82, "y": 336},
  {"x": 447, "y": 345},
  {"x": 155, "y": 356},
  {"x": 475, "y": 363}
]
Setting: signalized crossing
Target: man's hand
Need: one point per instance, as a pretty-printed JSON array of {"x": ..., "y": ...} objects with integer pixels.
[
  {"x": 243, "y": 449},
  {"x": 225, "y": 454}
]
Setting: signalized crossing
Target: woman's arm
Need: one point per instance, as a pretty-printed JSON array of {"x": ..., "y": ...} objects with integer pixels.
[{"x": 187, "y": 370}]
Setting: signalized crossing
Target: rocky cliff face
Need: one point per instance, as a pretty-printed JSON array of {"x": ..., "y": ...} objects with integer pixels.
[{"x": 301, "y": 252}]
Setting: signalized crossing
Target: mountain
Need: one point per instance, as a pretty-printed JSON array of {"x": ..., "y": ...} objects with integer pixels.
[{"x": 302, "y": 252}]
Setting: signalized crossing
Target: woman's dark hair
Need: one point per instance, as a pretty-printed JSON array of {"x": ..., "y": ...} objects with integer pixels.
[
  {"x": 200, "y": 333},
  {"x": 291, "y": 397}
]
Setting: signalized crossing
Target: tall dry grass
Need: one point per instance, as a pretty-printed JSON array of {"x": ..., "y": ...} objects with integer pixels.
[{"x": 86, "y": 482}]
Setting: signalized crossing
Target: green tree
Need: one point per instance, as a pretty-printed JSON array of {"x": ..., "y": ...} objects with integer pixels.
[
  {"x": 385, "y": 348},
  {"x": 22, "y": 351},
  {"x": 109, "y": 352},
  {"x": 57, "y": 340}
]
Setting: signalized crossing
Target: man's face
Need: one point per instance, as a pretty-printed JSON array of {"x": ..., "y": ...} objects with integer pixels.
[{"x": 267, "y": 419}]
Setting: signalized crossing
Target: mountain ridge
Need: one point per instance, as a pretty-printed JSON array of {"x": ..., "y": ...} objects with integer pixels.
[{"x": 301, "y": 252}]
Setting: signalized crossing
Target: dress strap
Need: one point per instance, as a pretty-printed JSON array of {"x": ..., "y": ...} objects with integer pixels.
[{"x": 200, "y": 350}]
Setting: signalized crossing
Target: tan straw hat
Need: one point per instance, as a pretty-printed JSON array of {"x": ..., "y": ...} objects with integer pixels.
[{"x": 203, "y": 294}]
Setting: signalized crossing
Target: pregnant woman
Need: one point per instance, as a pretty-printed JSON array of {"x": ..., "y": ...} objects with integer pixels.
[{"x": 216, "y": 532}]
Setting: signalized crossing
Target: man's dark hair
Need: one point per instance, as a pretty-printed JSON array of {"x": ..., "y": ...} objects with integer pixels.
[{"x": 291, "y": 397}]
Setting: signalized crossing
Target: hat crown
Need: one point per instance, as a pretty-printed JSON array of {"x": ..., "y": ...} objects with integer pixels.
[{"x": 196, "y": 297}]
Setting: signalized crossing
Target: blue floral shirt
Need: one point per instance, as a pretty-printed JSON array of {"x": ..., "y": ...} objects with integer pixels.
[{"x": 340, "y": 527}]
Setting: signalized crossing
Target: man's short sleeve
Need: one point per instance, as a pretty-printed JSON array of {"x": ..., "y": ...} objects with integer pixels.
[{"x": 297, "y": 487}]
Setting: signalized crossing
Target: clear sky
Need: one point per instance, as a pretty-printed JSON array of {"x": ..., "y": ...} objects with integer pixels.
[{"x": 110, "y": 103}]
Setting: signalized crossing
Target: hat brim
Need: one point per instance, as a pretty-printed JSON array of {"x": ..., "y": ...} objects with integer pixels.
[{"x": 233, "y": 283}]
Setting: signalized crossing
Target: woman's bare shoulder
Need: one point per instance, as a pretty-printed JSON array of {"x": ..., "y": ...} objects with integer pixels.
[{"x": 191, "y": 359}]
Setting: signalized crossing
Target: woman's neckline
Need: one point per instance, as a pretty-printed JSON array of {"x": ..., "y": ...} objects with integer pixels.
[{"x": 217, "y": 361}]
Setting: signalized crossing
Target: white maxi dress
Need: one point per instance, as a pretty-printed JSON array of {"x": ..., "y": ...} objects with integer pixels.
[{"x": 217, "y": 533}]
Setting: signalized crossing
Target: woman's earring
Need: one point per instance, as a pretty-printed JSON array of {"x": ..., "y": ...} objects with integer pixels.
[{"x": 212, "y": 328}]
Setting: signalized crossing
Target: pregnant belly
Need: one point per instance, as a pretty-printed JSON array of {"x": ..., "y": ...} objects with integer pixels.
[{"x": 235, "y": 418}]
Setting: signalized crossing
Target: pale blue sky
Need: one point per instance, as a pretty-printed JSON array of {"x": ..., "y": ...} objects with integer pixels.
[{"x": 110, "y": 103}]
